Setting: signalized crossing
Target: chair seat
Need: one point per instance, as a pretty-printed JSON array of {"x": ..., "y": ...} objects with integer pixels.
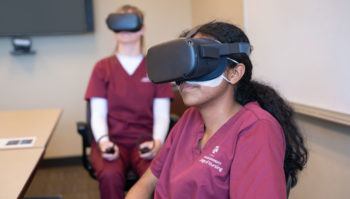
[{"x": 85, "y": 132}]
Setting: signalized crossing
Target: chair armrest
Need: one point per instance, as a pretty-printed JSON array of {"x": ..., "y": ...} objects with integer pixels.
[{"x": 84, "y": 130}]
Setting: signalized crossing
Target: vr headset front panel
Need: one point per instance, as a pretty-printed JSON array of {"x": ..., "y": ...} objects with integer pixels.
[
  {"x": 185, "y": 59},
  {"x": 128, "y": 22}
]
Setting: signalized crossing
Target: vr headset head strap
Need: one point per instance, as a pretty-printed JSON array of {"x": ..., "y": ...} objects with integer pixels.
[
  {"x": 237, "y": 47},
  {"x": 218, "y": 50},
  {"x": 225, "y": 48}
]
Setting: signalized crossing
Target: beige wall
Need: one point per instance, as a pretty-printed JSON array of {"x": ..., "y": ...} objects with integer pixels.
[
  {"x": 57, "y": 75},
  {"x": 273, "y": 22},
  {"x": 224, "y": 10},
  {"x": 327, "y": 174}
]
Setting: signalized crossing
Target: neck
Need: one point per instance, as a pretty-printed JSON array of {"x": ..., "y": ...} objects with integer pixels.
[
  {"x": 129, "y": 49},
  {"x": 216, "y": 113}
]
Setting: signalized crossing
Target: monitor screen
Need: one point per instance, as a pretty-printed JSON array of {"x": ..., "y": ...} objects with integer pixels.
[{"x": 45, "y": 17}]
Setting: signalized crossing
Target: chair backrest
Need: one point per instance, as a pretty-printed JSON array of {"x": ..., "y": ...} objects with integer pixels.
[{"x": 84, "y": 129}]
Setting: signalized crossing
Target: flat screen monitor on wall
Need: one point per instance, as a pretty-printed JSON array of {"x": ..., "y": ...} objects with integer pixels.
[{"x": 45, "y": 17}]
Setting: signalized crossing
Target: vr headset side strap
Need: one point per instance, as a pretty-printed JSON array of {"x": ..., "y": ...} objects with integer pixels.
[
  {"x": 217, "y": 50},
  {"x": 238, "y": 47},
  {"x": 209, "y": 51}
]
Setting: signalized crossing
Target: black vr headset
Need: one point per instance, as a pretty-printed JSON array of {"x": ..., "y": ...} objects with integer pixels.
[
  {"x": 190, "y": 59},
  {"x": 128, "y": 22}
]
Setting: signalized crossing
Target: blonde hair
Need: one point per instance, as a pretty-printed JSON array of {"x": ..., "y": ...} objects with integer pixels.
[{"x": 131, "y": 9}]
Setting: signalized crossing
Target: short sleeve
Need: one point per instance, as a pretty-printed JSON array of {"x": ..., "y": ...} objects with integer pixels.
[
  {"x": 164, "y": 91},
  {"x": 158, "y": 162},
  {"x": 257, "y": 169},
  {"x": 98, "y": 82}
]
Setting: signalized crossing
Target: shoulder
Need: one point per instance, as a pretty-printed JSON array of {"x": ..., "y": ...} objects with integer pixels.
[
  {"x": 104, "y": 65},
  {"x": 190, "y": 119},
  {"x": 255, "y": 114},
  {"x": 106, "y": 61},
  {"x": 260, "y": 123},
  {"x": 190, "y": 115}
]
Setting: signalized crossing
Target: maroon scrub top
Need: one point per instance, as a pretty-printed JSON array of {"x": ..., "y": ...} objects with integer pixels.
[
  {"x": 243, "y": 159},
  {"x": 130, "y": 100}
]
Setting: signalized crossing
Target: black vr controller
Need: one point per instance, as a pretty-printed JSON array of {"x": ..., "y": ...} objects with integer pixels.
[
  {"x": 128, "y": 22},
  {"x": 195, "y": 59},
  {"x": 144, "y": 150},
  {"x": 110, "y": 150}
]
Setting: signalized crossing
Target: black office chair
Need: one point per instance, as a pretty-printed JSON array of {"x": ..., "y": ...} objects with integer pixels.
[{"x": 84, "y": 129}]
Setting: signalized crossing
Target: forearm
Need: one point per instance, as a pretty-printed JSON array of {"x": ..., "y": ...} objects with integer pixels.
[
  {"x": 144, "y": 187},
  {"x": 161, "y": 114},
  {"x": 99, "y": 112}
]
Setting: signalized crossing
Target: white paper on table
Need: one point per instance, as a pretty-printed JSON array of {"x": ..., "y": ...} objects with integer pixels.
[{"x": 17, "y": 142}]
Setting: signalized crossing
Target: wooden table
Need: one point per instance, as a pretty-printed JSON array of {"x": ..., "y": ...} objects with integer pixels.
[
  {"x": 17, "y": 165},
  {"x": 38, "y": 123},
  {"x": 16, "y": 168}
]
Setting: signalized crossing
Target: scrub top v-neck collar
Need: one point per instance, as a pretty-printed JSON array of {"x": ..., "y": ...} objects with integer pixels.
[
  {"x": 123, "y": 69},
  {"x": 197, "y": 150}
]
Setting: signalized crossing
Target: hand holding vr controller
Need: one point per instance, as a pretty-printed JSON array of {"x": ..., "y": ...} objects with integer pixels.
[
  {"x": 109, "y": 150},
  {"x": 149, "y": 149}
]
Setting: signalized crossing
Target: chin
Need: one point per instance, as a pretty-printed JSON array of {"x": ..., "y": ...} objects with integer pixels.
[
  {"x": 191, "y": 101},
  {"x": 192, "y": 96}
]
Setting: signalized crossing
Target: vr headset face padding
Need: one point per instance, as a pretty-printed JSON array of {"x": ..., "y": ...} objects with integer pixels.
[
  {"x": 128, "y": 22},
  {"x": 191, "y": 59}
]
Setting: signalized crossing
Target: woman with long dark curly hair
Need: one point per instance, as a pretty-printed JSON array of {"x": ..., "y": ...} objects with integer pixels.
[{"x": 248, "y": 147}]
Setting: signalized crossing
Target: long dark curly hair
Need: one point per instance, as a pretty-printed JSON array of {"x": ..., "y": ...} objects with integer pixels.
[{"x": 248, "y": 90}]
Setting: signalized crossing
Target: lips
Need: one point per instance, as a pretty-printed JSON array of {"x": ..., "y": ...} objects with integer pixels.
[{"x": 185, "y": 86}]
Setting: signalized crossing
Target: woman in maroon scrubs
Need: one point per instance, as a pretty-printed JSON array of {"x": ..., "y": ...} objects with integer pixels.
[
  {"x": 238, "y": 140},
  {"x": 128, "y": 112}
]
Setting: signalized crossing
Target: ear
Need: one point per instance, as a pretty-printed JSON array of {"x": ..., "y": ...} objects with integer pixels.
[{"x": 235, "y": 74}]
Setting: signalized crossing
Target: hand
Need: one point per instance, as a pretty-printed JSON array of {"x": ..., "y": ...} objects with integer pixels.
[
  {"x": 104, "y": 146},
  {"x": 154, "y": 145}
]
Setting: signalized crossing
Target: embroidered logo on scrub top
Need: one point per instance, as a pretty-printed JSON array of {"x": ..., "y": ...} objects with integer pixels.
[
  {"x": 215, "y": 150},
  {"x": 145, "y": 79},
  {"x": 211, "y": 161}
]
